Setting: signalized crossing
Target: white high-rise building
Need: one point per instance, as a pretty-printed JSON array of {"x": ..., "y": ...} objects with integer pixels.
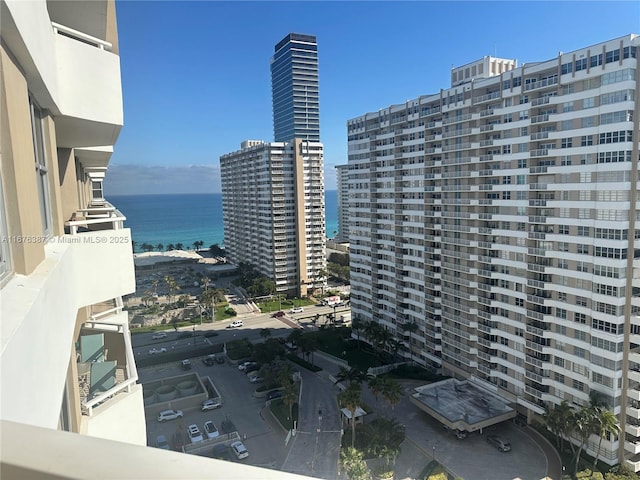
[
  {"x": 499, "y": 217},
  {"x": 273, "y": 211},
  {"x": 342, "y": 177}
]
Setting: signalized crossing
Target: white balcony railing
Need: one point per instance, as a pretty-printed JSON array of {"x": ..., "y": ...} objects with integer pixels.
[{"x": 80, "y": 36}]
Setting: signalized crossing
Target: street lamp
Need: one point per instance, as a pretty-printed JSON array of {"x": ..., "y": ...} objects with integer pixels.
[{"x": 434, "y": 453}]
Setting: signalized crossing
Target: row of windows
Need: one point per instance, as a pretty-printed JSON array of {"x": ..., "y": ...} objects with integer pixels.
[{"x": 615, "y": 137}]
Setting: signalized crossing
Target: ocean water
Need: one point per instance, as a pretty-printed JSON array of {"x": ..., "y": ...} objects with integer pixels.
[{"x": 188, "y": 218}]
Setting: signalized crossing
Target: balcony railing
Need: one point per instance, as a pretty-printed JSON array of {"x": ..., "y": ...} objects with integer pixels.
[
  {"x": 104, "y": 217},
  {"x": 112, "y": 320},
  {"x": 80, "y": 36}
]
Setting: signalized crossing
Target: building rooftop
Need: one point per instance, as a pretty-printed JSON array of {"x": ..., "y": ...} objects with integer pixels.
[{"x": 462, "y": 405}]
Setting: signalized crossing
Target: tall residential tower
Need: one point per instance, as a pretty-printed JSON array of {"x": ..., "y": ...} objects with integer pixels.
[
  {"x": 273, "y": 211},
  {"x": 342, "y": 178},
  {"x": 294, "y": 87},
  {"x": 493, "y": 230}
]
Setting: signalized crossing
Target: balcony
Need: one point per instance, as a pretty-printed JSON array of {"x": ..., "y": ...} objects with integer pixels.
[
  {"x": 633, "y": 410},
  {"x": 632, "y": 447},
  {"x": 106, "y": 366},
  {"x": 89, "y": 93}
]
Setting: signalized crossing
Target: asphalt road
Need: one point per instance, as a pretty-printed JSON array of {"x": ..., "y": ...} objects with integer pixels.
[{"x": 315, "y": 449}]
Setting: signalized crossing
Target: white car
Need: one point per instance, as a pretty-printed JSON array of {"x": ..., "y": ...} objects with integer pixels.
[
  {"x": 194, "y": 433},
  {"x": 159, "y": 335},
  {"x": 155, "y": 351},
  {"x": 239, "y": 449},
  {"x": 210, "y": 405},
  {"x": 211, "y": 430},
  {"x": 296, "y": 310},
  {"x": 169, "y": 415},
  {"x": 256, "y": 379},
  {"x": 243, "y": 366},
  {"x": 235, "y": 324}
]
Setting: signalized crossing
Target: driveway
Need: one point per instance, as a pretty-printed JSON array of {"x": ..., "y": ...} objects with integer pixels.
[{"x": 469, "y": 458}]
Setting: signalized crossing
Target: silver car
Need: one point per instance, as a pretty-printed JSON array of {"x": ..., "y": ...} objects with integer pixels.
[{"x": 500, "y": 443}]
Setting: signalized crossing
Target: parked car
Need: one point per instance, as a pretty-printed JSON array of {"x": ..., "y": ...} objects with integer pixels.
[
  {"x": 278, "y": 314},
  {"x": 244, "y": 365},
  {"x": 296, "y": 310},
  {"x": 274, "y": 394},
  {"x": 210, "y": 429},
  {"x": 159, "y": 335},
  {"x": 161, "y": 442},
  {"x": 256, "y": 379},
  {"x": 500, "y": 443},
  {"x": 219, "y": 359},
  {"x": 252, "y": 368},
  {"x": 186, "y": 364},
  {"x": 235, "y": 324},
  {"x": 209, "y": 360},
  {"x": 194, "y": 433},
  {"x": 155, "y": 351},
  {"x": 239, "y": 449},
  {"x": 210, "y": 404},
  {"x": 169, "y": 415}
]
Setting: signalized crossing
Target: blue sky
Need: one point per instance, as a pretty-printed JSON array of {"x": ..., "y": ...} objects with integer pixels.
[{"x": 196, "y": 81}]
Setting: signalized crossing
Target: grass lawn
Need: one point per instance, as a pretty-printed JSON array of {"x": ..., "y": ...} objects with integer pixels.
[
  {"x": 285, "y": 304},
  {"x": 334, "y": 342},
  {"x": 281, "y": 412}
]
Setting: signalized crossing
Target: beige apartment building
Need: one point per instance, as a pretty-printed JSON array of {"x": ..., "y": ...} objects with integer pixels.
[
  {"x": 342, "y": 184},
  {"x": 499, "y": 216},
  {"x": 273, "y": 211},
  {"x": 70, "y": 402}
]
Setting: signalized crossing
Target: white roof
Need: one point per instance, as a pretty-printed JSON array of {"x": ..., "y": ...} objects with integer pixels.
[
  {"x": 151, "y": 258},
  {"x": 359, "y": 412}
]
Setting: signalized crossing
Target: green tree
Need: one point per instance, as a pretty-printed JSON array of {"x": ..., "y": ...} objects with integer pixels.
[
  {"x": 170, "y": 246},
  {"x": 606, "y": 423},
  {"x": 265, "y": 333},
  {"x": 172, "y": 287},
  {"x": 375, "y": 385},
  {"x": 583, "y": 427},
  {"x": 391, "y": 391},
  {"x": 289, "y": 396},
  {"x": 350, "y": 375},
  {"x": 350, "y": 399},
  {"x": 216, "y": 250},
  {"x": 146, "y": 247},
  {"x": 179, "y": 246},
  {"x": 160, "y": 247},
  {"x": 352, "y": 460}
]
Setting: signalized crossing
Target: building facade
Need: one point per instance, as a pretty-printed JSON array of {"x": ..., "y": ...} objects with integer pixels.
[
  {"x": 67, "y": 362},
  {"x": 342, "y": 177},
  {"x": 493, "y": 230},
  {"x": 273, "y": 211},
  {"x": 294, "y": 88}
]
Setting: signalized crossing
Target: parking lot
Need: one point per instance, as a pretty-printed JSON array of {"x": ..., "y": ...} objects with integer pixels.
[{"x": 262, "y": 436}]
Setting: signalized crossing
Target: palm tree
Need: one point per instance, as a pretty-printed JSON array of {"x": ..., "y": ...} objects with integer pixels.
[
  {"x": 375, "y": 385},
  {"x": 159, "y": 247},
  {"x": 351, "y": 375},
  {"x": 583, "y": 426},
  {"x": 146, "y": 247},
  {"x": 356, "y": 326},
  {"x": 289, "y": 396},
  {"x": 172, "y": 286},
  {"x": 179, "y": 246},
  {"x": 350, "y": 399},
  {"x": 170, "y": 246},
  {"x": 606, "y": 424},
  {"x": 206, "y": 281},
  {"x": 391, "y": 391},
  {"x": 352, "y": 461}
]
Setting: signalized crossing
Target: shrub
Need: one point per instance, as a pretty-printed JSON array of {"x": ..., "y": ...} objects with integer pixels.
[{"x": 303, "y": 363}]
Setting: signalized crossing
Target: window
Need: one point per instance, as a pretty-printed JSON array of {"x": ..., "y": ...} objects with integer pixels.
[
  {"x": 506, "y": 180},
  {"x": 589, "y": 102},
  {"x": 567, "y": 107},
  {"x": 566, "y": 143},
  {"x": 586, "y": 140},
  {"x": 580, "y": 318},
  {"x": 578, "y": 385},
  {"x": 563, "y": 229},
  {"x": 37, "y": 131}
]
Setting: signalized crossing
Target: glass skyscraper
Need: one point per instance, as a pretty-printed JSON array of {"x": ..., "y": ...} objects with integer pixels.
[{"x": 294, "y": 88}]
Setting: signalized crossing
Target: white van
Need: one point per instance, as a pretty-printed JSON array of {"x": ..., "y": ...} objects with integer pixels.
[{"x": 235, "y": 324}]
